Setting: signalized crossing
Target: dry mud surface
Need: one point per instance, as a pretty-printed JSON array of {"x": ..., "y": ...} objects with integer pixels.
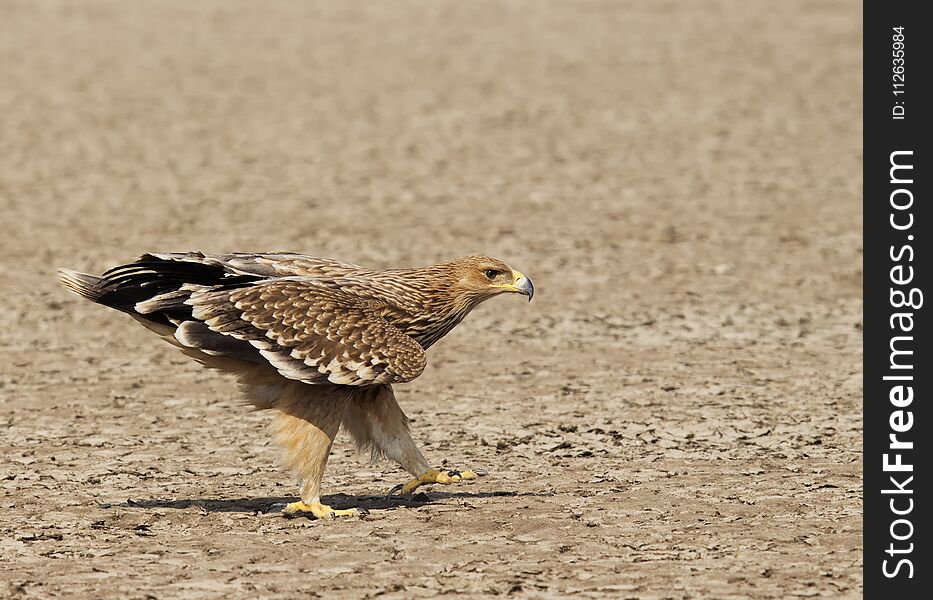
[{"x": 676, "y": 415}]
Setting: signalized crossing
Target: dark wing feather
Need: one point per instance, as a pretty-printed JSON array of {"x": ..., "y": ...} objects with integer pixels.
[
  {"x": 161, "y": 286},
  {"x": 153, "y": 289},
  {"x": 311, "y": 330},
  {"x": 265, "y": 264}
]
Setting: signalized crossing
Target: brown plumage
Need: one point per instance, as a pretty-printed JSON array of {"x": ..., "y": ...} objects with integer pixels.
[{"x": 318, "y": 340}]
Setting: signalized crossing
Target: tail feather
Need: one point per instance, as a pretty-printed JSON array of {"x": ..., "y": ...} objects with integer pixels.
[{"x": 86, "y": 286}]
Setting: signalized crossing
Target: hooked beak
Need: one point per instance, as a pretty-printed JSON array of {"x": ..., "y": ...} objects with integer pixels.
[{"x": 522, "y": 285}]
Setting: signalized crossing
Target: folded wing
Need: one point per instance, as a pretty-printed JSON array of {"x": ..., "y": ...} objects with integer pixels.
[{"x": 309, "y": 330}]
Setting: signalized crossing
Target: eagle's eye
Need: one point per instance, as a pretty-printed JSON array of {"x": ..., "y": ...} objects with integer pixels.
[{"x": 491, "y": 273}]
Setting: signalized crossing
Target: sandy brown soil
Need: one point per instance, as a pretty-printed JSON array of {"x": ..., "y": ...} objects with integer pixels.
[{"x": 676, "y": 415}]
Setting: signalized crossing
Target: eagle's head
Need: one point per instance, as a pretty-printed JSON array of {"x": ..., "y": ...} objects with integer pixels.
[{"x": 482, "y": 277}]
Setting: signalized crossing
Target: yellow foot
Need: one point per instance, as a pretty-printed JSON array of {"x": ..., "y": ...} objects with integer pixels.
[
  {"x": 318, "y": 510},
  {"x": 433, "y": 476}
]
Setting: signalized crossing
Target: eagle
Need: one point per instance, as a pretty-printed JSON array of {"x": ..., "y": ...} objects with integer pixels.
[{"x": 319, "y": 341}]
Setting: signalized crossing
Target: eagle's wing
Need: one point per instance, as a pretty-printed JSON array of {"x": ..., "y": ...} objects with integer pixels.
[
  {"x": 264, "y": 264},
  {"x": 324, "y": 328},
  {"x": 308, "y": 329}
]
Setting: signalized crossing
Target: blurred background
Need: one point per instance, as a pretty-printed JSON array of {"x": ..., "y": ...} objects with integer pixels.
[{"x": 678, "y": 411}]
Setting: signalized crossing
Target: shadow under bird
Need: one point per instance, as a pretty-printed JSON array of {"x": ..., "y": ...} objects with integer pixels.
[{"x": 319, "y": 341}]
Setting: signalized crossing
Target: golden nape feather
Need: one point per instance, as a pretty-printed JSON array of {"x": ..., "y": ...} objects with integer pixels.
[{"x": 318, "y": 340}]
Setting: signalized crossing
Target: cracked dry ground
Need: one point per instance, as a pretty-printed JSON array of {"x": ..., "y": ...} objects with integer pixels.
[{"x": 676, "y": 415}]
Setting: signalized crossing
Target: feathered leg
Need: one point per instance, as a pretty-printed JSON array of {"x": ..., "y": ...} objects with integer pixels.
[
  {"x": 307, "y": 422},
  {"x": 377, "y": 423}
]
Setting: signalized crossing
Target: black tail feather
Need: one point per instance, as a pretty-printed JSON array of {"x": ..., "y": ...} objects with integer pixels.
[{"x": 86, "y": 286}]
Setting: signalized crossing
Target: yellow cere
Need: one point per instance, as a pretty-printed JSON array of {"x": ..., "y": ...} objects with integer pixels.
[{"x": 516, "y": 275}]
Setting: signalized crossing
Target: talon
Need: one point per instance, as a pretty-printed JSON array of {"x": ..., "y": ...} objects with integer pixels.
[
  {"x": 448, "y": 477},
  {"x": 433, "y": 476},
  {"x": 318, "y": 510}
]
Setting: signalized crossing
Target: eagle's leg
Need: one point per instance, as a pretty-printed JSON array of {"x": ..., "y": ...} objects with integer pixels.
[
  {"x": 377, "y": 423},
  {"x": 305, "y": 426}
]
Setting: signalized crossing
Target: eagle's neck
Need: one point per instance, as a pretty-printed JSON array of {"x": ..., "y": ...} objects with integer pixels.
[
  {"x": 430, "y": 331},
  {"x": 431, "y": 305}
]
